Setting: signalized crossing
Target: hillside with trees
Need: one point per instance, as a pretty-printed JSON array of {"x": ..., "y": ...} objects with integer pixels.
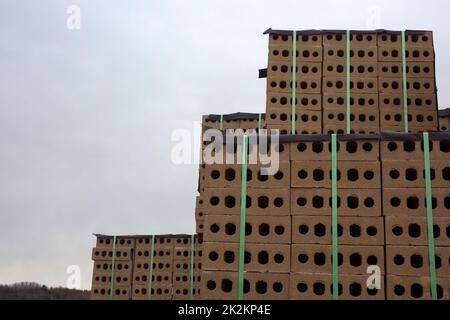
[{"x": 35, "y": 291}]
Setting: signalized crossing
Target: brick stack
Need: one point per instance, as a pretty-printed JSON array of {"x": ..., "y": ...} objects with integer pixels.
[
  {"x": 267, "y": 250},
  {"x": 360, "y": 225},
  {"x": 308, "y": 83},
  {"x": 376, "y": 81},
  {"x": 171, "y": 268},
  {"x": 422, "y": 104},
  {"x": 102, "y": 255},
  {"x": 363, "y": 83},
  {"x": 404, "y": 209}
]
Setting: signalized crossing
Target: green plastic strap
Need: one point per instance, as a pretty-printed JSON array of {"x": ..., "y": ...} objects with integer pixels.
[
  {"x": 113, "y": 266},
  {"x": 243, "y": 219},
  {"x": 405, "y": 83},
  {"x": 150, "y": 275},
  {"x": 192, "y": 265},
  {"x": 348, "y": 82},
  {"x": 334, "y": 217},
  {"x": 431, "y": 253},
  {"x": 294, "y": 78},
  {"x": 221, "y": 122},
  {"x": 259, "y": 121}
]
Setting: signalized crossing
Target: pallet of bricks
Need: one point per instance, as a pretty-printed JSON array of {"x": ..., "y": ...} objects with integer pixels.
[
  {"x": 172, "y": 273},
  {"x": 339, "y": 81},
  {"x": 444, "y": 120},
  {"x": 287, "y": 246}
]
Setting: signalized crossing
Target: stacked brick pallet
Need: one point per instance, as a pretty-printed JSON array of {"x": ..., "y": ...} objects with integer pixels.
[
  {"x": 288, "y": 221},
  {"x": 444, "y": 120},
  {"x": 170, "y": 275},
  {"x": 375, "y": 87}
]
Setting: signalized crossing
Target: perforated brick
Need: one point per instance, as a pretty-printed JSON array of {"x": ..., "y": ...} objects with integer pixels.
[
  {"x": 259, "y": 229},
  {"x": 351, "y": 202},
  {"x": 258, "y": 257},
  {"x": 351, "y": 174},
  {"x": 351, "y": 230},
  {"x": 310, "y": 286},
  {"x": 257, "y": 286}
]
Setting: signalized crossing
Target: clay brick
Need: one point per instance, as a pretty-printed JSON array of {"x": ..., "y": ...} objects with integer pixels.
[
  {"x": 407, "y": 150},
  {"x": 159, "y": 278},
  {"x": 278, "y": 100},
  {"x": 105, "y": 242},
  {"x": 411, "y": 40},
  {"x": 184, "y": 293},
  {"x": 160, "y": 255},
  {"x": 355, "y": 128},
  {"x": 411, "y": 202},
  {"x": 358, "y": 85},
  {"x": 339, "y": 40},
  {"x": 303, "y": 118},
  {"x": 305, "y": 128},
  {"x": 418, "y": 54},
  {"x": 260, "y": 229},
  {"x": 308, "y": 54},
  {"x": 144, "y": 267},
  {"x": 103, "y": 278},
  {"x": 413, "y": 261},
  {"x": 283, "y": 69},
  {"x": 105, "y": 254},
  {"x": 413, "y": 70},
  {"x": 285, "y": 41},
  {"x": 357, "y": 53},
  {"x": 282, "y": 84},
  {"x": 159, "y": 292},
  {"x": 351, "y": 202},
  {"x": 259, "y": 201},
  {"x": 414, "y": 85},
  {"x": 103, "y": 293},
  {"x": 352, "y": 150},
  {"x": 358, "y": 118},
  {"x": 120, "y": 267},
  {"x": 367, "y": 102},
  {"x": 419, "y": 101},
  {"x": 357, "y": 69},
  {"x": 410, "y": 174}
]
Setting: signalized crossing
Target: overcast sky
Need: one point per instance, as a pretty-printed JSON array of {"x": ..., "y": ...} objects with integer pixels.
[{"x": 86, "y": 115}]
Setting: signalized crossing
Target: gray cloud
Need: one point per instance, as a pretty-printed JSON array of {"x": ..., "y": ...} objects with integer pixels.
[{"x": 86, "y": 116}]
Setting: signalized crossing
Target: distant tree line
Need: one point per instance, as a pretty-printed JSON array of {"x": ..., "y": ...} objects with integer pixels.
[{"x": 35, "y": 291}]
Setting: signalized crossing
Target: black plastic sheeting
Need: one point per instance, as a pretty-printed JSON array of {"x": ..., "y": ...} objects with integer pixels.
[
  {"x": 237, "y": 116},
  {"x": 157, "y": 236},
  {"x": 444, "y": 112},
  {"x": 321, "y": 32}
]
